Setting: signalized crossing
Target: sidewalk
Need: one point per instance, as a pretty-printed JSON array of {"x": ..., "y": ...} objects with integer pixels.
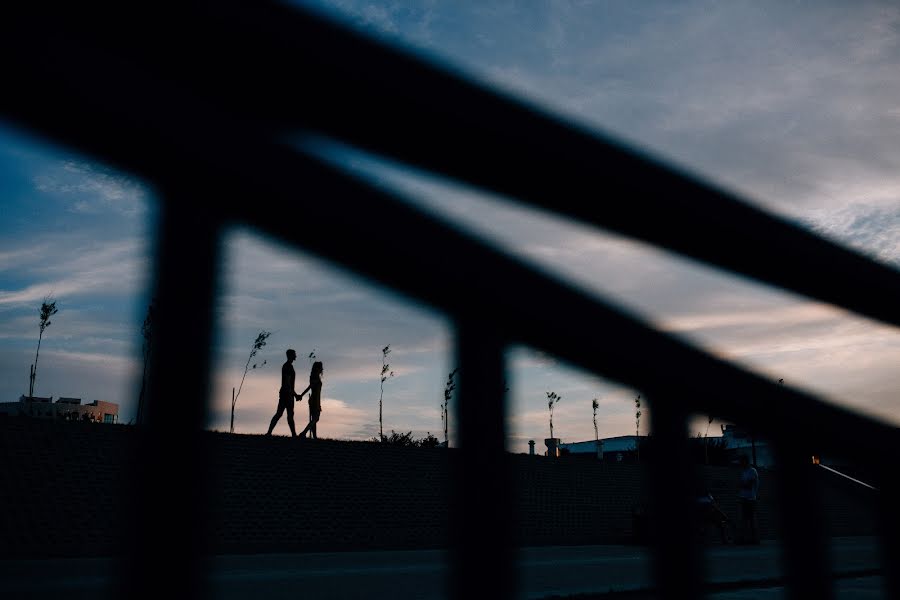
[{"x": 544, "y": 572}]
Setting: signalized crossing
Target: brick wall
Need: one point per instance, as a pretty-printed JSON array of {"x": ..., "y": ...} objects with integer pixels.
[{"x": 60, "y": 494}]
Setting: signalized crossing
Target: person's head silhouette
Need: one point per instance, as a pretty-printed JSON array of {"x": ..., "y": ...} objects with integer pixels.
[
  {"x": 291, "y": 355},
  {"x": 316, "y": 368}
]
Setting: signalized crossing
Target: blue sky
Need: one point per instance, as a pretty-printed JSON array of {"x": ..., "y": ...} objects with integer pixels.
[{"x": 795, "y": 108}]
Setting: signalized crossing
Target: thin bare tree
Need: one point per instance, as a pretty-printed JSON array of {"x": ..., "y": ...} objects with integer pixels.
[
  {"x": 147, "y": 334},
  {"x": 637, "y": 426},
  {"x": 552, "y": 399},
  {"x": 258, "y": 343},
  {"x": 595, "y": 404},
  {"x": 448, "y": 395},
  {"x": 48, "y": 309},
  {"x": 386, "y": 374}
]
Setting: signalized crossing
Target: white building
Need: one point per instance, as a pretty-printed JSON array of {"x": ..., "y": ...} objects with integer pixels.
[{"x": 67, "y": 409}]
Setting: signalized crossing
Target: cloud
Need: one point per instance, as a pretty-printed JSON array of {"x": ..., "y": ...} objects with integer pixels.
[
  {"x": 93, "y": 188},
  {"x": 38, "y": 292},
  {"x": 394, "y": 22},
  {"x": 31, "y": 254},
  {"x": 72, "y": 266},
  {"x": 71, "y": 328},
  {"x": 873, "y": 230},
  {"x": 116, "y": 362},
  {"x": 793, "y": 314}
]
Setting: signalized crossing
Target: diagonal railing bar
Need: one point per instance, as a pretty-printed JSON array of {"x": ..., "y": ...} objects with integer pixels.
[{"x": 281, "y": 68}]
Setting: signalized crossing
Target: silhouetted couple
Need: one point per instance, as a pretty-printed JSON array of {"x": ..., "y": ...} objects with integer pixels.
[{"x": 287, "y": 396}]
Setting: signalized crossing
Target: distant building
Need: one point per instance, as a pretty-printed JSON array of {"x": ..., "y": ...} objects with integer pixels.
[
  {"x": 624, "y": 448},
  {"x": 66, "y": 409}
]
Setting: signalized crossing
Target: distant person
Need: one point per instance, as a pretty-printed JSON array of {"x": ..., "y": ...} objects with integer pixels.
[
  {"x": 286, "y": 394},
  {"x": 315, "y": 399},
  {"x": 748, "y": 491}
]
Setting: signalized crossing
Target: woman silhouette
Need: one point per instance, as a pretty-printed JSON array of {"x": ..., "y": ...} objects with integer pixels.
[{"x": 315, "y": 399}]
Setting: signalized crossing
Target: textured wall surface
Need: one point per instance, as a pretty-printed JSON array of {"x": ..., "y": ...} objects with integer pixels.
[{"x": 61, "y": 494}]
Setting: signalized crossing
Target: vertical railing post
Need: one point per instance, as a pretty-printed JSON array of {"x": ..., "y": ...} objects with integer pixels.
[
  {"x": 888, "y": 501},
  {"x": 481, "y": 519},
  {"x": 165, "y": 546},
  {"x": 806, "y": 548},
  {"x": 677, "y": 568}
]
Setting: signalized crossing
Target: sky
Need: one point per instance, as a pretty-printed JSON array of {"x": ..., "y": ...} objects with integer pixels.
[{"x": 793, "y": 106}]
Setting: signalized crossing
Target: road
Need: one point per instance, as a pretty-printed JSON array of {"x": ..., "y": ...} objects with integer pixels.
[{"x": 544, "y": 572}]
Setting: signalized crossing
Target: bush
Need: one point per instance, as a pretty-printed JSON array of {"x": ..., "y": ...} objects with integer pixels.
[{"x": 407, "y": 439}]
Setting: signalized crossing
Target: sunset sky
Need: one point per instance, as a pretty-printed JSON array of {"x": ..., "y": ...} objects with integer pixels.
[{"x": 796, "y": 109}]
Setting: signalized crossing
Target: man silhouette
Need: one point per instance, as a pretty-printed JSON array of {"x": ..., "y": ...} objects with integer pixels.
[{"x": 286, "y": 395}]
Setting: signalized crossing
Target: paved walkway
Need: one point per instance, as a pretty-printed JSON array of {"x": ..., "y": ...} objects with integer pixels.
[{"x": 545, "y": 571}]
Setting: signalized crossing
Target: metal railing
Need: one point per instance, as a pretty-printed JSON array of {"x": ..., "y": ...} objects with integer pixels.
[{"x": 202, "y": 101}]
